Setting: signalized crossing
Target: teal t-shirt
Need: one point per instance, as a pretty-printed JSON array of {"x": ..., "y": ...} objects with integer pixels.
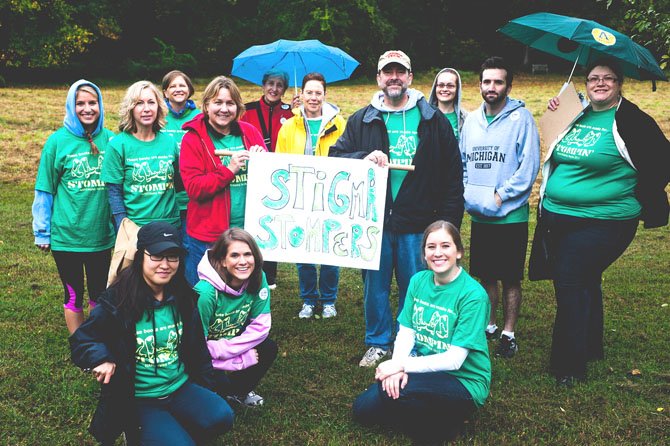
[
  {"x": 238, "y": 187},
  {"x": 453, "y": 120},
  {"x": 519, "y": 215},
  {"x": 173, "y": 128},
  {"x": 158, "y": 369},
  {"x": 453, "y": 314},
  {"x": 81, "y": 219},
  {"x": 225, "y": 316},
  {"x": 402, "y": 128},
  {"x": 314, "y": 127},
  {"x": 590, "y": 178},
  {"x": 146, "y": 170}
]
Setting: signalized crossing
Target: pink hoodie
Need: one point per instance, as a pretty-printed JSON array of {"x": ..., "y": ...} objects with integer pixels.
[{"x": 234, "y": 353}]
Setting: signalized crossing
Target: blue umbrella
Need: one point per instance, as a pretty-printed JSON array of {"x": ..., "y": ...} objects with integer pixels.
[
  {"x": 583, "y": 41},
  {"x": 297, "y": 58}
]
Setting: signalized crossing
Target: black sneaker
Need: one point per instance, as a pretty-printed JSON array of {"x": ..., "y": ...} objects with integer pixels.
[
  {"x": 490, "y": 336},
  {"x": 507, "y": 347}
]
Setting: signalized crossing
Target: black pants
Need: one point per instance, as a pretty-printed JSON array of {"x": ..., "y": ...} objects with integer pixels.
[
  {"x": 244, "y": 381},
  {"x": 582, "y": 249},
  {"x": 270, "y": 269}
]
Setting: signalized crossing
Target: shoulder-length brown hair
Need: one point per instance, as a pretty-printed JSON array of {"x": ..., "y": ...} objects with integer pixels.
[
  {"x": 220, "y": 250},
  {"x": 127, "y": 122},
  {"x": 213, "y": 89}
]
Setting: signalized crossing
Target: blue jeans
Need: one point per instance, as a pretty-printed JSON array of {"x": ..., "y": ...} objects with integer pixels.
[
  {"x": 400, "y": 253},
  {"x": 582, "y": 249},
  {"x": 432, "y": 406},
  {"x": 195, "y": 249},
  {"x": 189, "y": 415},
  {"x": 328, "y": 282}
]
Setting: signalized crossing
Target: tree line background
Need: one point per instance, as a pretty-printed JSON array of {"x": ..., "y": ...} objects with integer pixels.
[{"x": 55, "y": 40}]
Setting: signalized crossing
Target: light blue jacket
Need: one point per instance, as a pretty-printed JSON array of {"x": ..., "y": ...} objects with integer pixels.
[{"x": 503, "y": 157}]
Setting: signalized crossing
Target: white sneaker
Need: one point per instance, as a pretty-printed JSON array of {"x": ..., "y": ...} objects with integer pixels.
[
  {"x": 252, "y": 399},
  {"x": 272, "y": 286},
  {"x": 372, "y": 357},
  {"x": 306, "y": 312},
  {"x": 329, "y": 311}
]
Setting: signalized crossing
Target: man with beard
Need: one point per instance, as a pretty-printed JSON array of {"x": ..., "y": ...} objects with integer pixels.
[
  {"x": 500, "y": 149},
  {"x": 400, "y": 127}
]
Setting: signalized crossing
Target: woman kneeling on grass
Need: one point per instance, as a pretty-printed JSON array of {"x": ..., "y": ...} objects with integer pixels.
[
  {"x": 235, "y": 307},
  {"x": 440, "y": 371},
  {"x": 145, "y": 345}
]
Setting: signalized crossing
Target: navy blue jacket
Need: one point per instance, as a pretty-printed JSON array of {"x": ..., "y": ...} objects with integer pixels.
[{"x": 108, "y": 336}]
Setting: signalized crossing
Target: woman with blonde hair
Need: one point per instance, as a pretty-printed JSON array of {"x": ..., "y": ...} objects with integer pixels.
[
  {"x": 140, "y": 168},
  {"x": 216, "y": 186},
  {"x": 69, "y": 196}
]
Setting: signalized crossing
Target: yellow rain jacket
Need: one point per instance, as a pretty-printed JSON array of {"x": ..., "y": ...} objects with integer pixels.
[{"x": 293, "y": 137}]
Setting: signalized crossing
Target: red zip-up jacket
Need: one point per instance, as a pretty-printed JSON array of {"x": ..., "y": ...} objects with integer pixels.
[
  {"x": 206, "y": 179},
  {"x": 273, "y": 118}
]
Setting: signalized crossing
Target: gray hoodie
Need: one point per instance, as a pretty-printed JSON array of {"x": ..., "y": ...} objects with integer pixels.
[
  {"x": 432, "y": 100},
  {"x": 503, "y": 157}
]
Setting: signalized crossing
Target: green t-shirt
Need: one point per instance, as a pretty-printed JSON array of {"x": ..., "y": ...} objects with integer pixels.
[
  {"x": 80, "y": 219},
  {"x": 225, "y": 316},
  {"x": 238, "y": 187},
  {"x": 314, "y": 127},
  {"x": 146, "y": 171},
  {"x": 519, "y": 215},
  {"x": 453, "y": 120},
  {"x": 173, "y": 128},
  {"x": 590, "y": 178},
  {"x": 453, "y": 314},
  {"x": 158, "y": 369},
  {"x": 402, "y": 128}
]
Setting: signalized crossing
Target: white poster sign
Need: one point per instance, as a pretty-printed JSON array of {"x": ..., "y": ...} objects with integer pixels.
[{"x": 311, "y": 209}]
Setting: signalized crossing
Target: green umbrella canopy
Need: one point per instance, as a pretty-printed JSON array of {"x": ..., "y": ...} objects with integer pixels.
[{"x": 583, "y": 41}]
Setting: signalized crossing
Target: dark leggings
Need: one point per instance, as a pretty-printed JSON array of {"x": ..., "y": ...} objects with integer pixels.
[
  {"x": 582, "y": 249},
  {"x": 71, "y": 266},
  {"x": 244, "y": 381}
]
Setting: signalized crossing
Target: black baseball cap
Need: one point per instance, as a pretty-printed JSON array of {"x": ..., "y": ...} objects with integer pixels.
[{"x": 158, "y": 237}]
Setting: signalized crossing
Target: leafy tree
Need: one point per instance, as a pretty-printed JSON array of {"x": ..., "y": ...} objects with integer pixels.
[
  {"x": 40, "y": 34},
  {"x": 648, "y": 23}
]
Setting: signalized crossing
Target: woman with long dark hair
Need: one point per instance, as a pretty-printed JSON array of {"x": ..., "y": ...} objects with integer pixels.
[{"x": 144, "y": 343}]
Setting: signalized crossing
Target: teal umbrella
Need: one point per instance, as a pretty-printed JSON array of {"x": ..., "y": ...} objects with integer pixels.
[{"x": 583, "y": 41}]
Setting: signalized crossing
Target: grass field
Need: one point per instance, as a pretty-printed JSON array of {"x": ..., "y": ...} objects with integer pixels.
[{"x": 45, "y": 400}]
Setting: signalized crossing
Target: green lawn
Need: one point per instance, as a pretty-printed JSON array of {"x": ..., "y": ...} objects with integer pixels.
[{"x": 45, "y": 400}]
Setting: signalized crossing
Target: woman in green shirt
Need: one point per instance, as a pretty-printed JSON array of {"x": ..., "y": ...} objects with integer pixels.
[
  {"x": 601, "y": 176},
  {"x": 440, "y": 371},
  {"x": 141, "y": 166},
  {"x": 71, "y": 215},
  {"x": 144, "y": 344}
]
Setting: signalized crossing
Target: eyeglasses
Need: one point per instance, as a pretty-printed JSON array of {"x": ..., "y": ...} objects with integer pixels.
[
  {"x": 172, "y": 258},
  {"x": 595, "y": 80},
  {"x": 449, "y": 86}
]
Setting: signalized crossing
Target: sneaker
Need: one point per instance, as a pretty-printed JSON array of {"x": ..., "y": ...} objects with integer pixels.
[
  {"x": 492, "y": 335},
  {"x": 372, "y": 357},
  {"x": 306, "y": 312},
  {"x": 272, "y": 286},
  {"x": 328, "y": 311},
  {"x": 565, "y": 382},
  {"x": 252, "y": 399},
  {"x": 507, "y": 347}
]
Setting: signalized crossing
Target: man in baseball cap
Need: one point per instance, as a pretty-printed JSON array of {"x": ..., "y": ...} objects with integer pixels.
[{"x": 400, "y": 127}]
